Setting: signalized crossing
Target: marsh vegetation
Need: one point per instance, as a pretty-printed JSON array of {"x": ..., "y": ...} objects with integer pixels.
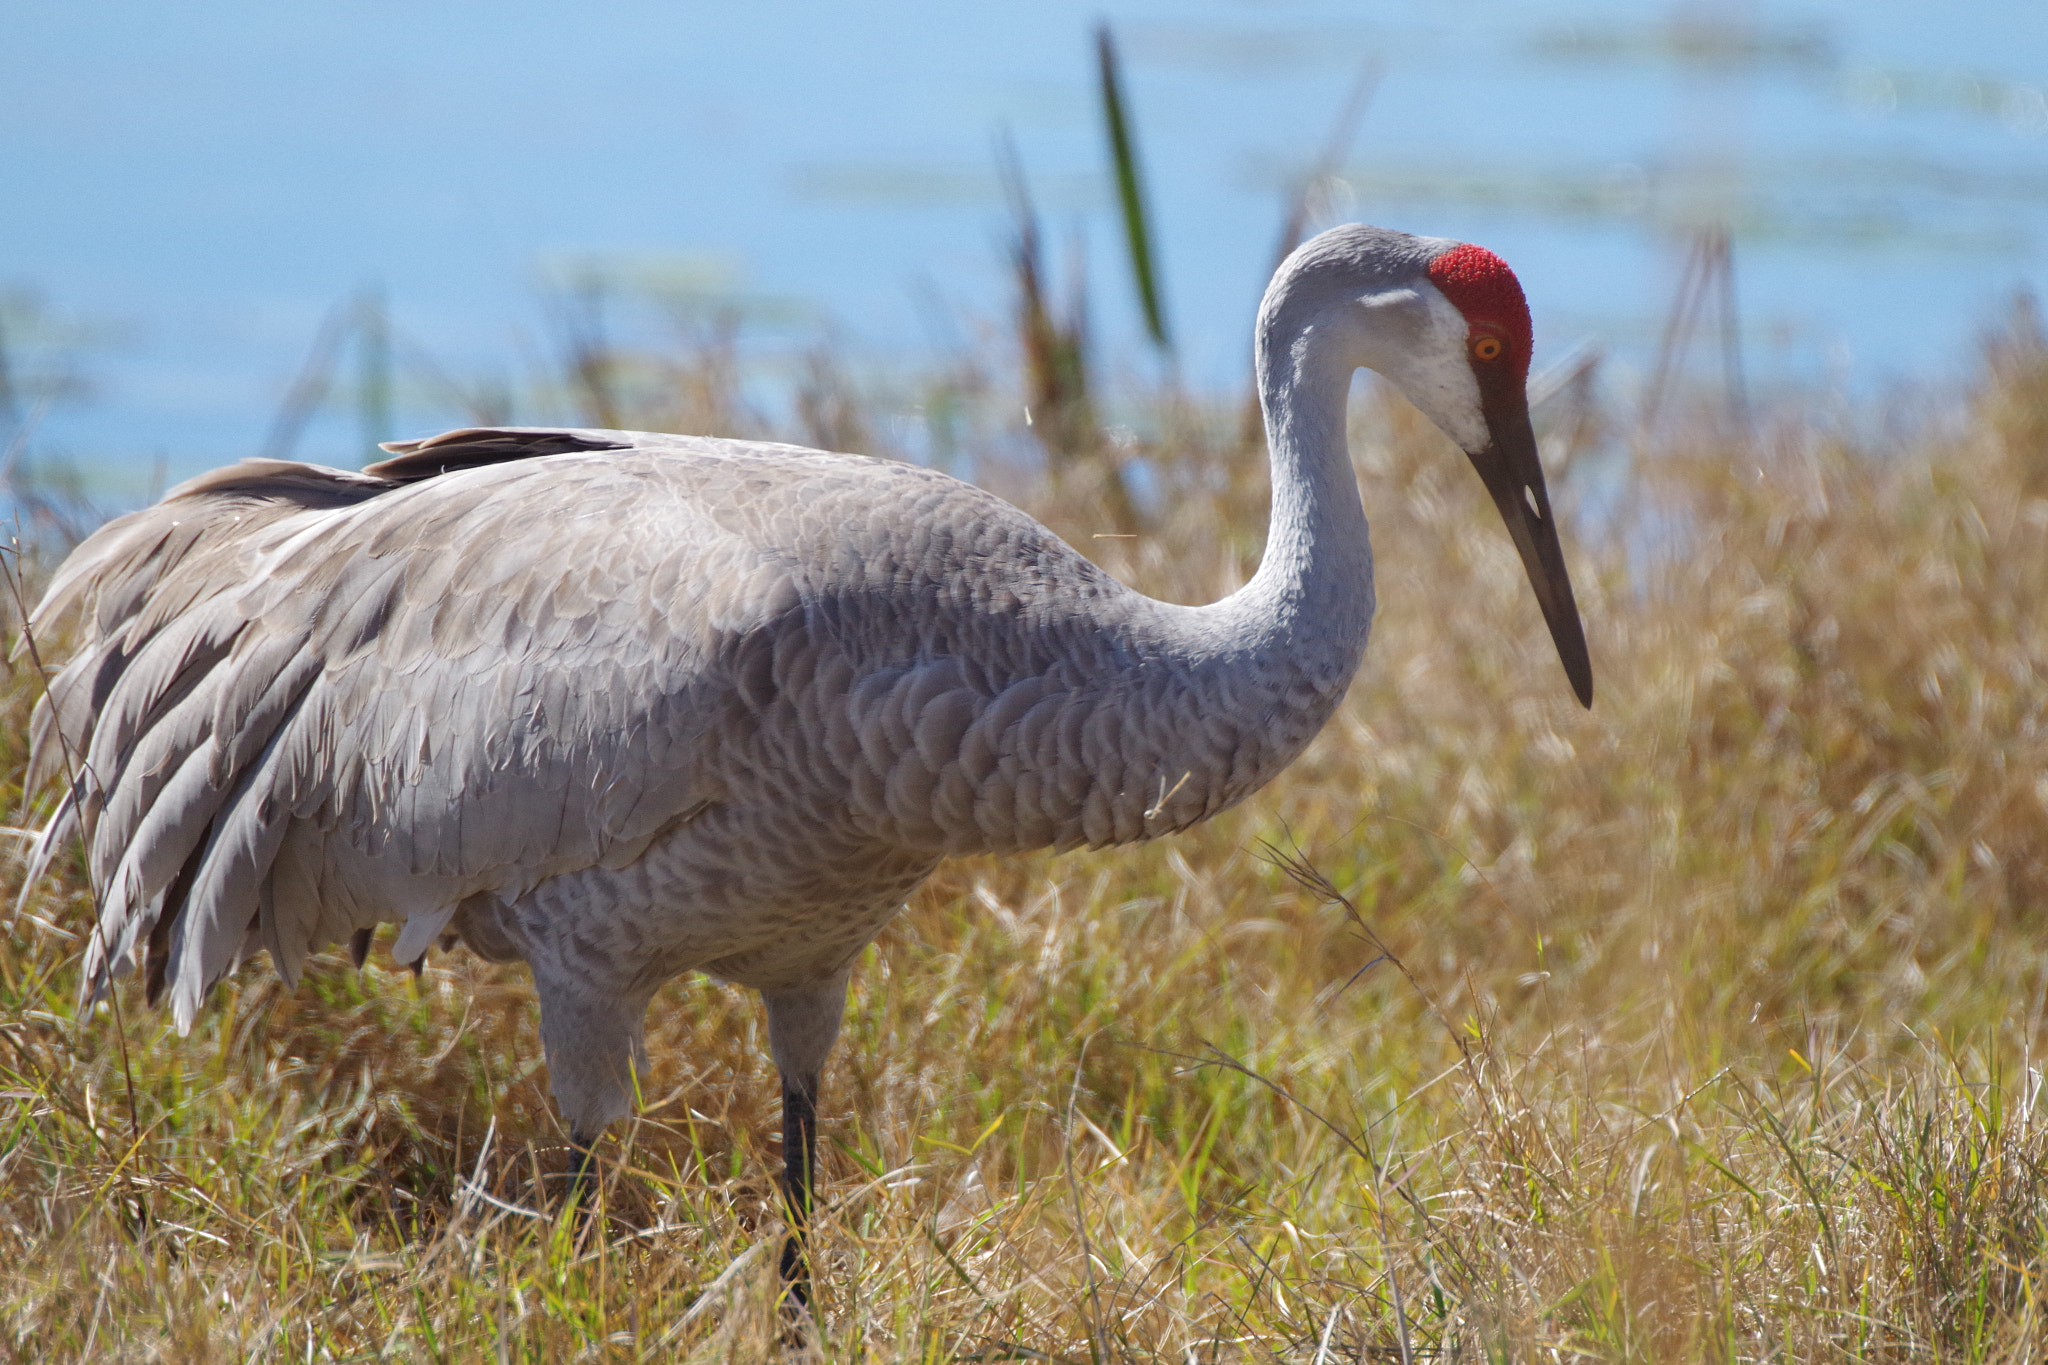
[{"x": 1702, "y": 1026}]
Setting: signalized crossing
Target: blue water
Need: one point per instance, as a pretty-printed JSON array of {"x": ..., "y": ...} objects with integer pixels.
[{"x": 186, "y": 191}]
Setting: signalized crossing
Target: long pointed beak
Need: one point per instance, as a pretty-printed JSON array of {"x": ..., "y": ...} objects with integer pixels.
[{"x": 1514, "y": 475}]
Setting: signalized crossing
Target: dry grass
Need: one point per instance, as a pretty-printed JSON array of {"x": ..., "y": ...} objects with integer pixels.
[{"x": 1700, "y": 1027}]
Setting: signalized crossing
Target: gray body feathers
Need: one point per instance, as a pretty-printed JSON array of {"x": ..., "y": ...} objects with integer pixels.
[{"x": 624, "y": 705}]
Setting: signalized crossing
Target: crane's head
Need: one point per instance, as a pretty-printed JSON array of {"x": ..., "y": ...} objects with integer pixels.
[{"x": 1446, "y": 323}]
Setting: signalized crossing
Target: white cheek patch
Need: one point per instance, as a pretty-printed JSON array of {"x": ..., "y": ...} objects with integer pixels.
[{"x": 1423, "y": 354}]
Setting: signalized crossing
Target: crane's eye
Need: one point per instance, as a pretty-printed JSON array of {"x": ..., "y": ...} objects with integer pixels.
[{"x": 1487, "y": 348}]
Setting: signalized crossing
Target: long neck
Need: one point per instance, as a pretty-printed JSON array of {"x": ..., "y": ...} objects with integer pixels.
[
  {"x": 1156, "y": 716},
  {"x": 1233, "y": 691},
  {"x": 1314, "y": 584},
  {"x": 1278, "y": 654}
]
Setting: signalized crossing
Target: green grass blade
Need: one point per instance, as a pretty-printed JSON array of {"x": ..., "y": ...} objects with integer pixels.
[{"x": 1129, "y": 189}]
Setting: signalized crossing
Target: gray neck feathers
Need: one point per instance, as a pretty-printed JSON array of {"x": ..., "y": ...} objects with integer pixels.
[{"x": 1228, "y": 694}]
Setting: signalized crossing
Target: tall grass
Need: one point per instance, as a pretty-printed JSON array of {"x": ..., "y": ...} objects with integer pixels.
[{"x": 1700, "y": 1027}]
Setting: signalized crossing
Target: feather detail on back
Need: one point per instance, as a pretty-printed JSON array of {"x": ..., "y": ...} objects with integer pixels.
[{"x": 305, "y": 701}]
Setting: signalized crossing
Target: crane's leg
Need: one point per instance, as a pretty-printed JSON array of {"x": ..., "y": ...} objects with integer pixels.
[
  {"x": 592, "y": 1030},
  {"x": 582, "y": 1173},
  {"x": 802, "y": 1026}
]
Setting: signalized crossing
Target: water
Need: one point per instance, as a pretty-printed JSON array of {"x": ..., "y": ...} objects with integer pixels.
[{"x": 186, "y": 192}]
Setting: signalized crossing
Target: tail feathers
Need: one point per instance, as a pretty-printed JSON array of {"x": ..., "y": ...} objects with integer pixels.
[
  {"x": 146, "y": 845},
  {"x": 195, "y": 730},
  {"x": 163, "y": 849},
  {"x": 117, "y": 579},
  {"x": 159, "y": 714},
  {"x": 163, "y": 717},
  {"x": 220, "y": 912},
  {"x": 194, "y": 823},
  {"x": 210, "y": 842}
]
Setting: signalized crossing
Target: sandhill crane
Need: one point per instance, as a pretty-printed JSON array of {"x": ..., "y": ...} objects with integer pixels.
[{"x": 624, "y": 705}]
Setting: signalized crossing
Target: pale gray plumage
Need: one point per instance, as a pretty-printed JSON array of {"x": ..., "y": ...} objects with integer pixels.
[{"x": 624, "y": 705}]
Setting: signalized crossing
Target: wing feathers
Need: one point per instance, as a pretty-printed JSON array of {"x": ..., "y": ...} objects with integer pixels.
[{"x": 304, "y": 700}]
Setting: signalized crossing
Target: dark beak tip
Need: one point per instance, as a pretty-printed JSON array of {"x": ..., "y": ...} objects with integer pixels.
[
  {"x": 1578, "y": 668},
  {"x": 1512, "y": 471}
]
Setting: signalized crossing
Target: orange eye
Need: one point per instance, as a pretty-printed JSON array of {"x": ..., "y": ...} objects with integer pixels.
[{"x": 1487, "y": 348}]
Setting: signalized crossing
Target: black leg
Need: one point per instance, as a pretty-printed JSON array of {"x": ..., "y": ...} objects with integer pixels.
[
  {"x": 582, "y": 1172},
  {"x": 802, "y": 1022},
  {"x": 799, "y": 1161}
]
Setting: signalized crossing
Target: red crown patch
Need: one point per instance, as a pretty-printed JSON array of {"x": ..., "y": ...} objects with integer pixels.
[{"x": 1480, "y": 285}]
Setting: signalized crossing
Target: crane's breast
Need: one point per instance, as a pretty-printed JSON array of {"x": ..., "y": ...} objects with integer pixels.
[{"x": 955, "y": 675}]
